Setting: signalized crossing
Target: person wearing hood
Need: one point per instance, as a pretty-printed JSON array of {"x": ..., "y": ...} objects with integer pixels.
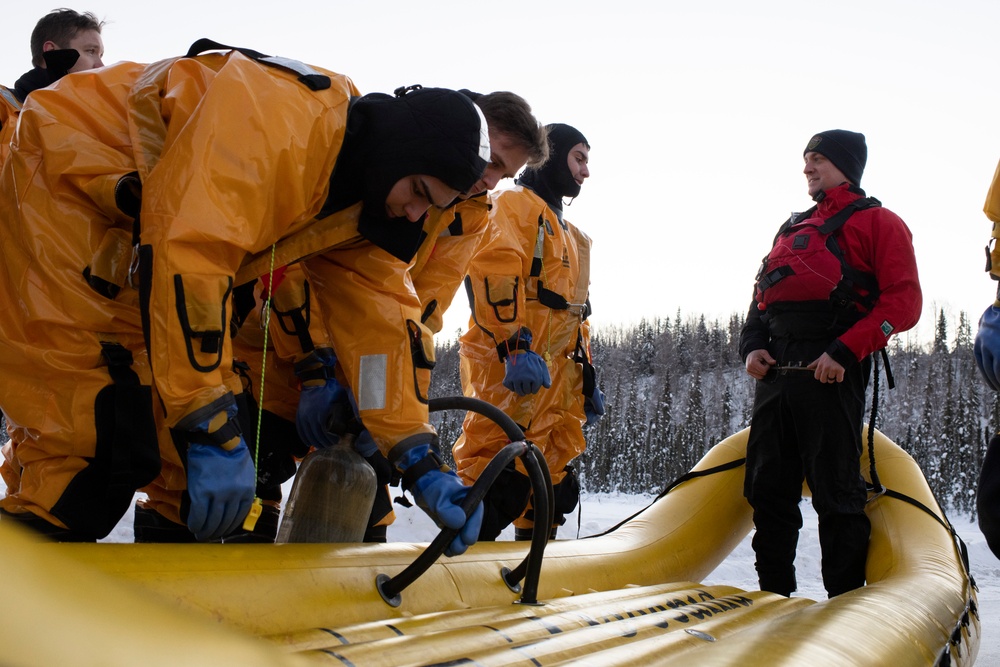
[
  {"x": 239, "y": 163},
  {"x": 527, "y": 347},
  {"x": 451, "y": 236},
  {"x": 62, "y": 41},
  {"x": 839, "y": 280}
]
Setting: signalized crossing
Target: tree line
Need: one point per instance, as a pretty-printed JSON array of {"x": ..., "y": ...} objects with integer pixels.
[{"x": 674, "y": 387}]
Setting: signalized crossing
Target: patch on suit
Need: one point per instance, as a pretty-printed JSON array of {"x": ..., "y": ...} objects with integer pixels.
[
  {"x": 886, "y": 328},
  {"x": 372, "y": 382}
]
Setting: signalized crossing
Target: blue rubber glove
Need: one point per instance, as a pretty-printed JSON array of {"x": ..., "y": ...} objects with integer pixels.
[
  {"x": 987, "y": 346},
  {"x": 526, "y": 373},
  {"x": 440, "y": 495},
  {"x": 221, "y": 485},
  {"x": 324, "y": 406},
  {"x": 593, "y": 406},
  {"x": 317, "y": 404}
]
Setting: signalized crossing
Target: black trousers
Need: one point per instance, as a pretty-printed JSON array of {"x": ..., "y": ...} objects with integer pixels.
[{"x": 805, "y": 429}]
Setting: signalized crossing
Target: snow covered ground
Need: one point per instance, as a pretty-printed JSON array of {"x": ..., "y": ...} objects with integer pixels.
[{"x": 601, "y": 511}]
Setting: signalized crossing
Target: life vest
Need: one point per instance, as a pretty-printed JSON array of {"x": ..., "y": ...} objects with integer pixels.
[{"x": 807, "y": 264}]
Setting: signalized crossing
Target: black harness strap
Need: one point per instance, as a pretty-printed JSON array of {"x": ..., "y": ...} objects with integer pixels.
[
  {"x": 589, "y": 372},
  {"x": 456, "y": 228},
  {"x": 551, "y": 299},
  {"x": 307, "y": 75},
  {"x": 771, "y": 278},
  {"x": 218, "y": 437},
  {"x": 846, "y": 290},
  {"x": 837, "y": 220},
  {"x": 244, "y": 302},
  {"x": 536, "y": 260},
  {"x": 295, "y": 322}
]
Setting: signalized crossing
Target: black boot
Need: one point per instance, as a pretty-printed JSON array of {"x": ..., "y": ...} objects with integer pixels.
[
  {"x": 263, "y": 533},
  {"x": 524, "y": 534},
  {"x": 375, "y": 534},
  {"x": 504, "y": 502},
  {"x": 151, "y": 526},
  {"x": 44, "y": 528}
]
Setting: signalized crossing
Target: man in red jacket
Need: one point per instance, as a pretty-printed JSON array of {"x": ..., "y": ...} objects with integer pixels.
[{"x": 840, "y": 279}]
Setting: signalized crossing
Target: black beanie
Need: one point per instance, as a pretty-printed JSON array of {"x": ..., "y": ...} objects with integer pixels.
[
  {"x": 845, "y": 149},
  {"x": 553, "y": 180},
  {"x": 432, "y": 131}
]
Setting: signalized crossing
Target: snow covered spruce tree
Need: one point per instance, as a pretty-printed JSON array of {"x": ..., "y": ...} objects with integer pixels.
[{"x": 676, "y": 386}]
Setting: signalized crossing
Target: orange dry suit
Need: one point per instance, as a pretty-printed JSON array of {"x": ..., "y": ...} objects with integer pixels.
[
  {"x": 318, "y": 196},
  {"x": 235, "y": 156},
  {"x": 10, "y": 108},
  {"x": 295, "y": 331},
  {"x": 532, "y": 271},
  {"x": 295, "y": 335},
  {"x": 441, "y": 264},
  {"x": 74, "y": 374},
  {"x": 58, "y": 63}
]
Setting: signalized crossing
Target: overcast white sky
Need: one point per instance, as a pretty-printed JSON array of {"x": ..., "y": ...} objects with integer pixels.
[{"x": 697, "y": 114}]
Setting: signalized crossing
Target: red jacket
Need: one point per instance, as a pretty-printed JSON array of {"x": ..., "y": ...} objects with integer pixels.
[{"x": 875, "y": 241}]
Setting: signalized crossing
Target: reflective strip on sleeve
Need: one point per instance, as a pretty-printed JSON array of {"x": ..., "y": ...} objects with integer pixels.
[{"x": 372, "y": 382}]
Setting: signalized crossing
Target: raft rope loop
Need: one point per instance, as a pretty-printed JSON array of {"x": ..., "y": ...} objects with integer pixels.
[
  {"x": 693, "y": 474},
  {"x": 877, "y": 488},
  {"x": 876, "y": 485}
]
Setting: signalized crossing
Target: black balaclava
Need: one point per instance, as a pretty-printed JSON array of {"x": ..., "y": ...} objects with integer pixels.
[
  {"x": 432, "y": 131},
  {"x": 58, "y": 62},
  {"x": 553, "y": 180}
]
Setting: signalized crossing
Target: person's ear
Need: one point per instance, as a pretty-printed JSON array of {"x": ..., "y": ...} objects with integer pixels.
[{"x": 49, "y": 46}]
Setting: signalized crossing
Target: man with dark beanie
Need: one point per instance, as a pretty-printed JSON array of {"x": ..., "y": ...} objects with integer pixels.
[
  {"x": 527, "y": 347},
  {"x": 840, "y": 279}
]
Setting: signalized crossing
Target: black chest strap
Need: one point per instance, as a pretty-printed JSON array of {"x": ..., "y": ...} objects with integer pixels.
[{"x": 307, "y": 75}]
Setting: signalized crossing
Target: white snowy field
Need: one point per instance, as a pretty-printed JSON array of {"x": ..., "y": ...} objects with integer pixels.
[{"x": 597, "y": 512}]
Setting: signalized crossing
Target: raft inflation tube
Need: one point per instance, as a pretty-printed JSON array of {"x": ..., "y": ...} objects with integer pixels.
[{"x": 628, "y": 597}]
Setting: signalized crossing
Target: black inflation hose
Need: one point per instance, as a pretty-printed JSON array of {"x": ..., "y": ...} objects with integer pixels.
[
  {"x": 544, "y": 505},
  {"x": 390, "y": 588}
]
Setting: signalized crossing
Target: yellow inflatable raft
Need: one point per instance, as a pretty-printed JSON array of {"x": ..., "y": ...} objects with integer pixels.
[{"x": 629, "y": 597}]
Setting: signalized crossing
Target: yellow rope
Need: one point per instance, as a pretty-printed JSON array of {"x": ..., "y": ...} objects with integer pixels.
[{"x": 251, "y": 521}]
